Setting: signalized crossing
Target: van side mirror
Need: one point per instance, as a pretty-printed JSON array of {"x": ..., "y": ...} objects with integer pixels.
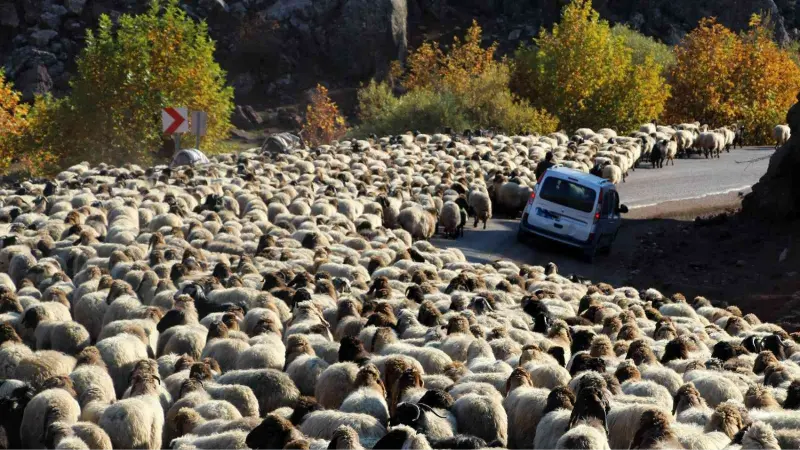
[{"x": 622, "y": 209}]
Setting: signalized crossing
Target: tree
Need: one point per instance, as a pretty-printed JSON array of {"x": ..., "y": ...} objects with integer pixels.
[
  {"x": 586, "y": 76},
  {"x": 721, "y": 78},
  {"x": 127, "y": 73},
  {"x": 323, "y": 123},
  {"x": 13, "y": 121},
  {"x": 465, "y": 87},
  {"x": 643, "y": 46},
  {"x": 703, "y": 80}
]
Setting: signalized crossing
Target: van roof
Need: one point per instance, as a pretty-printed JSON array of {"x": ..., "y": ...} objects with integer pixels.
[{"x": 581, "y": 177}]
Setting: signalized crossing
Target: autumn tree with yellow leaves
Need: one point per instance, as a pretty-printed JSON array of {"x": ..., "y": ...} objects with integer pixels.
[
  {"x": 465, "y": 87},
  {"x": 323, "y": 122},
  {"x": 126, "y": 74},
  {"x": 13, "y": 121},
  {"x": 722, "y": 78},
  {"x": 585, "y": 75},
  {"x": 16, "y": 120}
]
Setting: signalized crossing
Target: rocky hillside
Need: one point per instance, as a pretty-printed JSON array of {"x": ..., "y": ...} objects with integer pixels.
[{"x": 275, "y": 49}]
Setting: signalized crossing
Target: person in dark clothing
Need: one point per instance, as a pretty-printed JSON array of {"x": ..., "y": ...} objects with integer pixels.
[{"x": 542, "y": 167}]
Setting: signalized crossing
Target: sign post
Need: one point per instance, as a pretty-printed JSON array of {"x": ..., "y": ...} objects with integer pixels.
[
  {"x": 199, "y": 125},
  {"x": 175, "y": 121}
]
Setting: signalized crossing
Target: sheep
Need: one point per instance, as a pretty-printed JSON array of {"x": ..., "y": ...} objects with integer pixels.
[
  {"x": 88, "y": 433},
  {"x": 272, "y": 388},
  {"x": 781, "y": 134},
  {"x": 138, "y": 421},
  {"x": 420, "y": 223},
  {"x": 483, "y": 416},
  {"x": 323, "y": 425},
  {"x": 47, "y": 407},
  {"x": 450, "y": 218},
  {"x": 481, "y": 205}
]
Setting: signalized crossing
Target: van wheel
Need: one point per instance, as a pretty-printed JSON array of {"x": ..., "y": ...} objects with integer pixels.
[{"x": 521, "y": 237}]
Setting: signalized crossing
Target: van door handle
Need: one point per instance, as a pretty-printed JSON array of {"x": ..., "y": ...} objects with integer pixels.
[{"x": 558, "y": 226}]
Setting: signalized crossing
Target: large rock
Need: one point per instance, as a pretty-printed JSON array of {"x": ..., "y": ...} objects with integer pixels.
[
  {"x": 75, "y": 6},
  {"x": 777, "y": 193},
  {"x": 41, "y": 38},
  {"x": 8, "y": 15},
  {"x": 354, "y": 38},
  {"x": 34, "y": 81}
]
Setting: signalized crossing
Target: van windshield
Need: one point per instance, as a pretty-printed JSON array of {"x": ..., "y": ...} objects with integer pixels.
[{"x": 569, "y": 194}]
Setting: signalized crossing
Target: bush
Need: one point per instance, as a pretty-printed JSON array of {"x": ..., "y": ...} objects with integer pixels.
[
  {"x": 323, "y": 123},
  {"x": 126, "y": 74},
  {"x": 721, "y": 78},
  {"x": 586, "y": 76},
  {"x": 643, "y": 46},
  {"x": 13, "y": 121},
  {"x": 463, "y": 88},
  {"x": 420, "y": 109},
  {"x": 375, "y": 100}
]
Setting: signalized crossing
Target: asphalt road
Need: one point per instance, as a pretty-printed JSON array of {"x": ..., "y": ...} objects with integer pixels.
[
  {"x": 693, "y": 178},
  {"x": 691, "y": 182}
]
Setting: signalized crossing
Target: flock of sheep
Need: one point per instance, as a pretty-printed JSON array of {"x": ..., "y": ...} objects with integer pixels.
[{"x": 292, "y": 301}]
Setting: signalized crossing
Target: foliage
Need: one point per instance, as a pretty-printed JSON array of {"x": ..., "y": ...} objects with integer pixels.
[
  {"x": 421, "y": 109},
  {"x": 16, "y": 122},
  {"x": 643, "y": 46},
  {"x": 585, "y": 75},
  {"x": 13, "y": 121},
  {"x": 462, "y": 88},
  {"x": 323, "y": 123},
  {"x": 375, "y": 100},
  {"x": 722, "y": 78},
  {"x": 113, "y": 112}
]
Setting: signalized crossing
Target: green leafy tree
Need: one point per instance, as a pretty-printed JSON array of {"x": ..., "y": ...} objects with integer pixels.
[
  {"x": 126, "y": 74},
  {"x": 643, "y": 46},
  {"x": 586, "y": 76}
]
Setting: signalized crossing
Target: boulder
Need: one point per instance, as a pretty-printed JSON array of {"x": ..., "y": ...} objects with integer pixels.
[
  {"x": 41, "y": 38},
  {"x": 354, "y": 38},
  {"x": 8, "y": 15},
  {"x": 34, "y": 81},
  {"x": 252, "y": 115},
  {"x": 240, "y": 119},
  {"x": 777, "y": 193},
  {"x": 75, "y": 6}
]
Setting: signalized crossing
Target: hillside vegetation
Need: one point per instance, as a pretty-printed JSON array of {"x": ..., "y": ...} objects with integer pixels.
[{"x": 580, "y": 73}]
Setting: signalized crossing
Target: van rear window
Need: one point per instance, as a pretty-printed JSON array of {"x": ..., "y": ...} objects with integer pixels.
[{"x": 569, "y": 194}]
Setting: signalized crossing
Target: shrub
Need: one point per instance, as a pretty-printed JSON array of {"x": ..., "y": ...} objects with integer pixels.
[
  {"x": 463, "y": 88},
  {"x": 421, "y": 109},
  {"x": 643, "y": 46},
  {"x": 585, "y": 75},
  {"x": 721, "y": 78},
  {"x": 375, "y": 100},
  {"x": 125, "y": 75},
  {"x": 13, "y": 121},
  {"x": 323, "y": 123}
]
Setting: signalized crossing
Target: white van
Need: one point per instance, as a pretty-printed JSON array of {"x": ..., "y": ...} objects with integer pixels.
[{"x": 574, "y": 208}]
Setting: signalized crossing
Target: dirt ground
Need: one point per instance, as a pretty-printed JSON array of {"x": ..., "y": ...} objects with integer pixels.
[{"x": 728, "y": 258}]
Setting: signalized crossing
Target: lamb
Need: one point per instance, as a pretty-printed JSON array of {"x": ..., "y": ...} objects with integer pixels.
[{"x": 781, "y": 135}]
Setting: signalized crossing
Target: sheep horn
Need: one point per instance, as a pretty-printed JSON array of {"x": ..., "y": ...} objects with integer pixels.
[
  {"x": 431, "y": 410},
  {"x": 783, "y": 343}
]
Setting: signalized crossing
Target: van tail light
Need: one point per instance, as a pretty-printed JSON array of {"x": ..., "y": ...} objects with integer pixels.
[
  {"x": 599, "y": 207},
  {"x": 531, "y": 198}
]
